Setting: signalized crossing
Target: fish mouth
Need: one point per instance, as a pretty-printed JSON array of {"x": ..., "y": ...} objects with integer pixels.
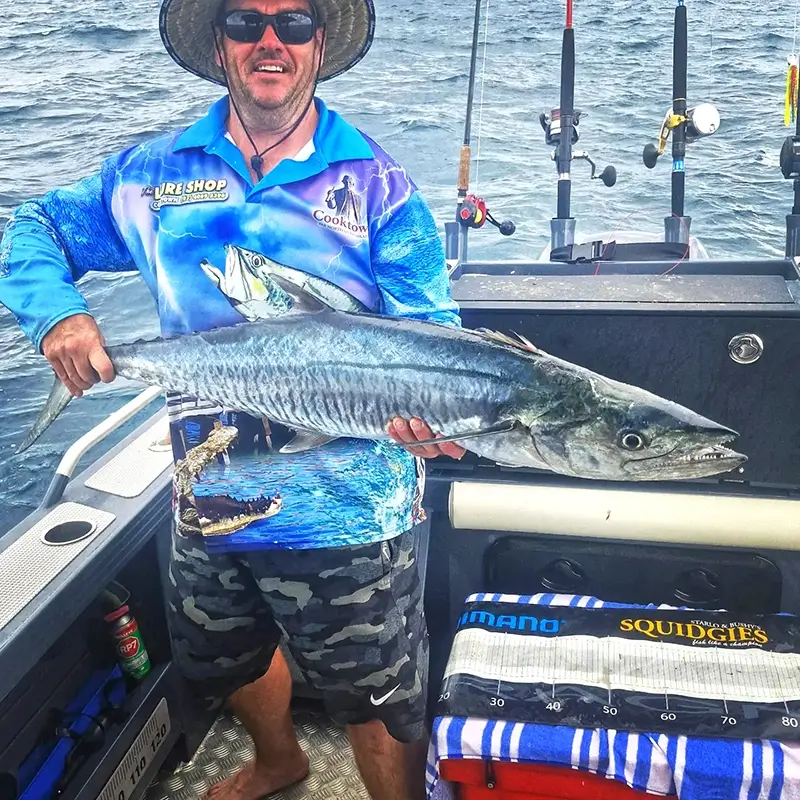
[{"x": 691, "y": 460}]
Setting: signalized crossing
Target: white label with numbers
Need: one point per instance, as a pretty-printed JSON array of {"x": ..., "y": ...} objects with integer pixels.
[{"x": 141, "y": 754}]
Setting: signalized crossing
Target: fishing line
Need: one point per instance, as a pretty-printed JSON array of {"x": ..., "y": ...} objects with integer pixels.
[{"x": 480, "y": 109}]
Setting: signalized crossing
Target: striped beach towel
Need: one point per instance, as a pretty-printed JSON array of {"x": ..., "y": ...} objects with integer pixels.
[{"x": 693, "y": 768}]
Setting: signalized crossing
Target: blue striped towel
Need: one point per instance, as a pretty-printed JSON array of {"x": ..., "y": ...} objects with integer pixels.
[{"x": 693, "y": 768}]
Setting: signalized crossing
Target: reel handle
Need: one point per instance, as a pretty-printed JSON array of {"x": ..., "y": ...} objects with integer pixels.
[
  {"x": 650, "y": 155},
  {"x": 608, "y": 175}
]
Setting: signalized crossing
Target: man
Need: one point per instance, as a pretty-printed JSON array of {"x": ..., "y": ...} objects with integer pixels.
[
  {"x": 345, "y": 200},
  {"x": 315, "y": 546}
]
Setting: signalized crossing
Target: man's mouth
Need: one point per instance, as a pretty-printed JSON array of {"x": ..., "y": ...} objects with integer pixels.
[{"x": 277, "y": 68}]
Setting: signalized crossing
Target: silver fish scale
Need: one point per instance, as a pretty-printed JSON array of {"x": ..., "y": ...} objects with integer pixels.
[{"x": 340, "y": 374}]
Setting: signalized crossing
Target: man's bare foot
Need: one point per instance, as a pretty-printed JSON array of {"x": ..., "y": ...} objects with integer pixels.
[{"x": 255, "y": 780}]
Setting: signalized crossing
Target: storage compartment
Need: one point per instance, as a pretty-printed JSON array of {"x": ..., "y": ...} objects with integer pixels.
[
  {"x": 718, "y": 337},
  {"x": 77, "y": 715}
]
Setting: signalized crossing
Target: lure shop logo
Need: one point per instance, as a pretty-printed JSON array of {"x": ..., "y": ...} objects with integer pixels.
[{"x": 172, "y": 193}]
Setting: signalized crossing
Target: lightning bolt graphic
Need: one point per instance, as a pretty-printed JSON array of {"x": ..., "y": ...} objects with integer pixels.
[{"x": 380, "y": 173}]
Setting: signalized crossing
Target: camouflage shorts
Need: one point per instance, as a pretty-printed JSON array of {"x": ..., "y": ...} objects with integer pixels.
[{"x": 351, "y": 616}]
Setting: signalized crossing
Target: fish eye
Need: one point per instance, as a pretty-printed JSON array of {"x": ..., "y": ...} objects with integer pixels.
[
  {"x": 258, "y": 261},
  {"x": 631, "y": 440}
]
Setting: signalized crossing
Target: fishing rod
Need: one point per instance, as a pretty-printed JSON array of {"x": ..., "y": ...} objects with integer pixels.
[
  {"x": 686, "y": 125},
  {"x": 561, "y": 129},
  {"x": 563, "y": 226},
  {"x": 471, "y": 210},
  {"x": 466, "y": 148},
  {"x": 790, "y": 167}
]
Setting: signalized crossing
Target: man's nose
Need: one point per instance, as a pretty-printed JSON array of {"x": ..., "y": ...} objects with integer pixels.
[{"x": 269, "y": 38}]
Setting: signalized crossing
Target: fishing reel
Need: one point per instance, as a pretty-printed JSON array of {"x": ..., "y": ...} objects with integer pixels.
[
  {"x": 701, "y": 121},
  {"x": 790, "y": 158},
  {"x": 474, "y": 214},
  {"x": 551, "y": 124}
]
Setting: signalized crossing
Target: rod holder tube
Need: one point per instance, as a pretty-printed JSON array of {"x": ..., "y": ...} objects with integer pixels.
[
  {"x": 562, "y": 232},
  {"x": 792, "y": 235},
  {"x": 677, "y": 229}
]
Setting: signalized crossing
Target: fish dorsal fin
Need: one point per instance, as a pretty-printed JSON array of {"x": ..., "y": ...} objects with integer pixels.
[
  {"x": 302, "y": 299},
  {"x": 521, "y": 343}
]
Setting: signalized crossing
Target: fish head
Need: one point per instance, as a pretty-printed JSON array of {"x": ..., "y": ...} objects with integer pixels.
[
  {"x": 248, "y": 265},
  {"x": 611, "y": 431},
  {"x": 247, "y": 284}
]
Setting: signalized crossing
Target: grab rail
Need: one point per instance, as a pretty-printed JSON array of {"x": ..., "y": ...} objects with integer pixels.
[{"x": 76, "y": 451}]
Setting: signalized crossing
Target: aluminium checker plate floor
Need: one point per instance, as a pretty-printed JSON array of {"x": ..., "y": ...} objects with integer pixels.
[{"x": 227, "y": 748}]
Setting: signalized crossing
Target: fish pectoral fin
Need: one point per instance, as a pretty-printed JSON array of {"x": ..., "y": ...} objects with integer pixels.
[
  {"x": 302, "y": 299},
  {"x": 306, "y": 440},
  {"x": 501, "y": 427}
]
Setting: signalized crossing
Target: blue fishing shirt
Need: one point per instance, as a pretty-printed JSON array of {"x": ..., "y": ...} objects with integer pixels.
[{"x": 180, "y": 209}]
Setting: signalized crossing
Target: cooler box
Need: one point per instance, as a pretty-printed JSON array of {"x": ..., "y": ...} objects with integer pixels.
[
  {"x": 487, "y": 780},
  {"x": 508, "y": 753}
]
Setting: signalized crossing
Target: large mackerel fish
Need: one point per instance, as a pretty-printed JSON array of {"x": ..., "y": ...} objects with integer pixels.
[{"x": 328, "y": 374}]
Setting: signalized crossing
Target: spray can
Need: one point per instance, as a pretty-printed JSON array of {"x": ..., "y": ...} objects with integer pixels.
[{"x": 132, "y": 655}]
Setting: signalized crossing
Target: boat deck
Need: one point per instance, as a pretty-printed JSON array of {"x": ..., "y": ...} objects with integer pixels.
[{"x": 228, "y": 747}]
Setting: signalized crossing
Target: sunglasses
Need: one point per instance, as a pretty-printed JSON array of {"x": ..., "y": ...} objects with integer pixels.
[{"x": 291, "y": 27}]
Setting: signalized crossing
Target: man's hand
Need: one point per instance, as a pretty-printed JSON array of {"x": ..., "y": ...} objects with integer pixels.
[
  {"x": 74, "y": 348},
  {"x": 407, "y": 432}
]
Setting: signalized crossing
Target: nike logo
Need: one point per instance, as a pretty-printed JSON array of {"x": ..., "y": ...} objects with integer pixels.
[{"x": 379, "y": 701}]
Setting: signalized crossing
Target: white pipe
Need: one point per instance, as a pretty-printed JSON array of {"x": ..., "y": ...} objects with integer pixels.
[
  {"x": 638, "y": 515},
  {"x": 107, "y": 426}
]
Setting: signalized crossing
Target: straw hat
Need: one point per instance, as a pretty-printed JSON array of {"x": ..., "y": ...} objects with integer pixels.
[{"x": 186, "y": 30}]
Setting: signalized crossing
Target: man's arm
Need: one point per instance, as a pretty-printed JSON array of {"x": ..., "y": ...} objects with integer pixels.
[
  {"x": 48, "y": 245},
  {"x": 409, "y": 266},
  {"x": 411, "y": 272}
]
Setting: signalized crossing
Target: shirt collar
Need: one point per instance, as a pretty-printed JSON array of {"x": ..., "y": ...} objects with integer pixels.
[{"x": 334, "y": 140}]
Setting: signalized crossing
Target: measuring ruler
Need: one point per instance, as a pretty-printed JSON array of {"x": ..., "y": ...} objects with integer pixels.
[{"x": 660, "y": 671}]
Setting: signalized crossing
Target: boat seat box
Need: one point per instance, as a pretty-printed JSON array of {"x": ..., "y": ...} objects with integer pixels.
[{"x": 500, "y": 732}]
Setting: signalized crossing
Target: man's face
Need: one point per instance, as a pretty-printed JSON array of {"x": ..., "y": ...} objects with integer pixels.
[{"x": 270, "y": 74}]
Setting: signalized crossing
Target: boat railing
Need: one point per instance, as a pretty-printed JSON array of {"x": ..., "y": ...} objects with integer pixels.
[{"x": 96, "y": 435}]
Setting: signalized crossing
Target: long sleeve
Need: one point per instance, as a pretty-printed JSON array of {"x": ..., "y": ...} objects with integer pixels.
[
  {"x": 409, "y": 265},
  {"x": 50, "y": 243}
]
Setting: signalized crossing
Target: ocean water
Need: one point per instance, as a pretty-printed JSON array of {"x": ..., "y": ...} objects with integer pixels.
[{"x": 82, "y": 80}]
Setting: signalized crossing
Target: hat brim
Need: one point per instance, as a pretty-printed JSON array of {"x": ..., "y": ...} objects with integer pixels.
[{"x": 186, "y": 28}]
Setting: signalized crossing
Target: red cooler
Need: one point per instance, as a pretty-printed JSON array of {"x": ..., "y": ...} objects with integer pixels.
[{"x": 475, "y": 779}]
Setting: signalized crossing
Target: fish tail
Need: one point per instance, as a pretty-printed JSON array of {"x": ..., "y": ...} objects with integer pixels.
[{"x": 57, "y": 401}]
